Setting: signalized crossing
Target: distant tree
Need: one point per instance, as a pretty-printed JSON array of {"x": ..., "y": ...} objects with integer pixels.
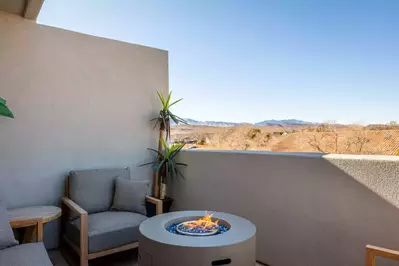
[
  {"x": 359, "y": 140},
  {"x": 393, "y": 123},
  {"x": 328, "y": 139}
]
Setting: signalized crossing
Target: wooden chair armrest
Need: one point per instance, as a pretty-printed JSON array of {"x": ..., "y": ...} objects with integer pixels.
[
  {"x": 374, "y": 251},
  {"x": 73, "y": 206},
  {"x": 158, "y": 203},
  {"x": 84, "y": 226}
]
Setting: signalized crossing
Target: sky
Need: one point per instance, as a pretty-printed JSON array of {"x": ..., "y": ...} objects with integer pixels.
[{"x": 253, "y": 60}]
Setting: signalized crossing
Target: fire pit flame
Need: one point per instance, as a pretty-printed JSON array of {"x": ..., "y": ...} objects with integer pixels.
[{"x": 202, "y": 227}]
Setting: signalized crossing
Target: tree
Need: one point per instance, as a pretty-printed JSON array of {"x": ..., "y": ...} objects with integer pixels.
[
  {"x": 328, "y": 138},
  {"x": 393, "y": 123}
]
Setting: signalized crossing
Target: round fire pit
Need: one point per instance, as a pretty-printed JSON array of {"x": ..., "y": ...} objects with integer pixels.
[{"x": 195, "y": 238}]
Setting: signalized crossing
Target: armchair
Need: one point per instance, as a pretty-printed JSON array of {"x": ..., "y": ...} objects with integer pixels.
[
  {"x": 92, "y": 229},
  {"x": 374, "y": 251}
]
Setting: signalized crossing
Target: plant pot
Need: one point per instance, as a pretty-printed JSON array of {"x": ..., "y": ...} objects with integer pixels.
[{"x": 152, "y": 210}]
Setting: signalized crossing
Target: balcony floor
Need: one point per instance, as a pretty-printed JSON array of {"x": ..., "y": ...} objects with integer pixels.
[{"x": 65, "y": 257}]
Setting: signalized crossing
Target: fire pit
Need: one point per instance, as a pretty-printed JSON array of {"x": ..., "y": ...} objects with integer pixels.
[
  {"x": 203, "y": 226},
  {"x": 197, "y": 238}
]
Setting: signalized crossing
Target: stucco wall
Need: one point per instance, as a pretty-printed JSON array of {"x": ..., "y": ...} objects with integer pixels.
[
  {"x": 80, "y": 102},
  {"x": 308, "y": 209}
]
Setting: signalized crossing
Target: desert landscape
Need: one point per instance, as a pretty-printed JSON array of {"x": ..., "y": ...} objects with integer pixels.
[{"x": 322, "y": 138}]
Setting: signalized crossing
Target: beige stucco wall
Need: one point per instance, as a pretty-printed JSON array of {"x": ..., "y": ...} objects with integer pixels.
[
  {"x": 308, "y": 209},
  {"x": 80, "y": 102}
]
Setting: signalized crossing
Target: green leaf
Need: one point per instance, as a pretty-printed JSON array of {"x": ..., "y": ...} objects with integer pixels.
[
  {"x": 164, "y": 144},
  {"x": 161, "y": 98},
  {"x": 4, "y": 111},
  {"x": 172, "y": 156},
  {"x": 175, "y": 102},
  {"x": 2, "y": 101},
  {"x": 174, "y": 169},
  {"x": 178, "y": 170},
  {"x": 157, "y": 152},
  {"x": 160, "y": 165},
  {"x": 168, "y": 100},
  {"x": 144, "y": 164},
  {"x": 180, "y": 119},
  {"x": 173, "y": 148},
  {"x": 174, "y": 118}
]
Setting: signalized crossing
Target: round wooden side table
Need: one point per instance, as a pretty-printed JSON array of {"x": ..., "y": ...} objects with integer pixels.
[{"x": 33, "y": 219}]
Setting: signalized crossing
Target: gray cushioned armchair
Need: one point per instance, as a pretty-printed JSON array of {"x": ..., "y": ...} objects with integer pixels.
[
  {"x": 91, "y": 227},
  {"x": 12, "y": 254}
]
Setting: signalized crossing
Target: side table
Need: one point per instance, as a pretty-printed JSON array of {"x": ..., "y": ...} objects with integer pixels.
[{"x": 33, "y": 219}]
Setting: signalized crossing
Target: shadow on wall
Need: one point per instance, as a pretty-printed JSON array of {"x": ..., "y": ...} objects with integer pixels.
[{"x": 309, "y": 209}]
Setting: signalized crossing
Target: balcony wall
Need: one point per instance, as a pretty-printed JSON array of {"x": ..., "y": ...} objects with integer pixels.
[
  {"x": 309, "y": 209},
  {"x": 80, "y": 102}
]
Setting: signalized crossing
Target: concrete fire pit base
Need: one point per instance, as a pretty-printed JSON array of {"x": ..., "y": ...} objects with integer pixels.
[{"x": 158, "y": 247}]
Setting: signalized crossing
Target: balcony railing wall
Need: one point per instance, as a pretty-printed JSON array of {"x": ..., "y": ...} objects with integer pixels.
[{"x": 308, "y": 209}]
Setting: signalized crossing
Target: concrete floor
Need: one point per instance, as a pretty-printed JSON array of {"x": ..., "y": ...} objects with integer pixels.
[{"x": 65, "y": 257}]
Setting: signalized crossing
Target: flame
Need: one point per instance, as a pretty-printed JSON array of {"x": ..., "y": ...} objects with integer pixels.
[{"x": 205, "y": 223}]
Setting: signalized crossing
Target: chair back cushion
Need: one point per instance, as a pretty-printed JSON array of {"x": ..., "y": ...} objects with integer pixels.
[
  {"x": 6, "y": 234},
  {"x": 93, "y": 190},
  {"x": 130, "y": 195}
]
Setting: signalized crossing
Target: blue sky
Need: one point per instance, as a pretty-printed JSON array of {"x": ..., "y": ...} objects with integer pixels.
[{"x": 253, "y": 60}]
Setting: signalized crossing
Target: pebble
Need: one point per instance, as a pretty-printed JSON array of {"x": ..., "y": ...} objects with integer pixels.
[{"x": 172, "y": 229}]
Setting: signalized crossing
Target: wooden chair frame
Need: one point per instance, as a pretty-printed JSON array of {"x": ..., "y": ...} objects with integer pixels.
[
  {"x": 374, "y": 251},
  {"x": 83, "y": 249}
]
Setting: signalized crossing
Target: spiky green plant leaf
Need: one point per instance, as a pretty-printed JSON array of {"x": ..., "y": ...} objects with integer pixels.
[{"x": 4, "y": 111}]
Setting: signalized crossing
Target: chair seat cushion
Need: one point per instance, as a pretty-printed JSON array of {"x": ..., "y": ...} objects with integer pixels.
[
  {"x": 107, "y": 229},
  {"x": 26, "y": 254}
]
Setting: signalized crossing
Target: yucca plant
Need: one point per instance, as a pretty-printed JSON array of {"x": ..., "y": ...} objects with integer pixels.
[
  {"x": 165, "y": 115},
  {"x": 4, "y": 111},
  {"x": 166, "y": 167},
  {"x": 166, "y": 164}
]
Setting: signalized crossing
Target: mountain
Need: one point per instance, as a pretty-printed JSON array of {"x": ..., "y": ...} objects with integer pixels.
[
  {"x": 211, "y": 123},
  {"x": 286, "y": 122},
  {"x": 282, "y": 122}
]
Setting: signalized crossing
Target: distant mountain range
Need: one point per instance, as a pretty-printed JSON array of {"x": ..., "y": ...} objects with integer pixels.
[{"x": 283, "y": 123}]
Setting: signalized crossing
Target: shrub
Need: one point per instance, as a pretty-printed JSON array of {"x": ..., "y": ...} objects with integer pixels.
[
  {"x": 253, "y": 132},
  {"x": 201, "y": 141}
]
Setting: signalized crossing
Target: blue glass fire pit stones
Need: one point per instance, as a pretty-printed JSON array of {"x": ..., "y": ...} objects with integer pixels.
[{"x": 172, "y": 229}]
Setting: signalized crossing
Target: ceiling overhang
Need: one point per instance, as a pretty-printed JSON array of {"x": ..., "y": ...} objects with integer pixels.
[{"x": 28, "y": 9}]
